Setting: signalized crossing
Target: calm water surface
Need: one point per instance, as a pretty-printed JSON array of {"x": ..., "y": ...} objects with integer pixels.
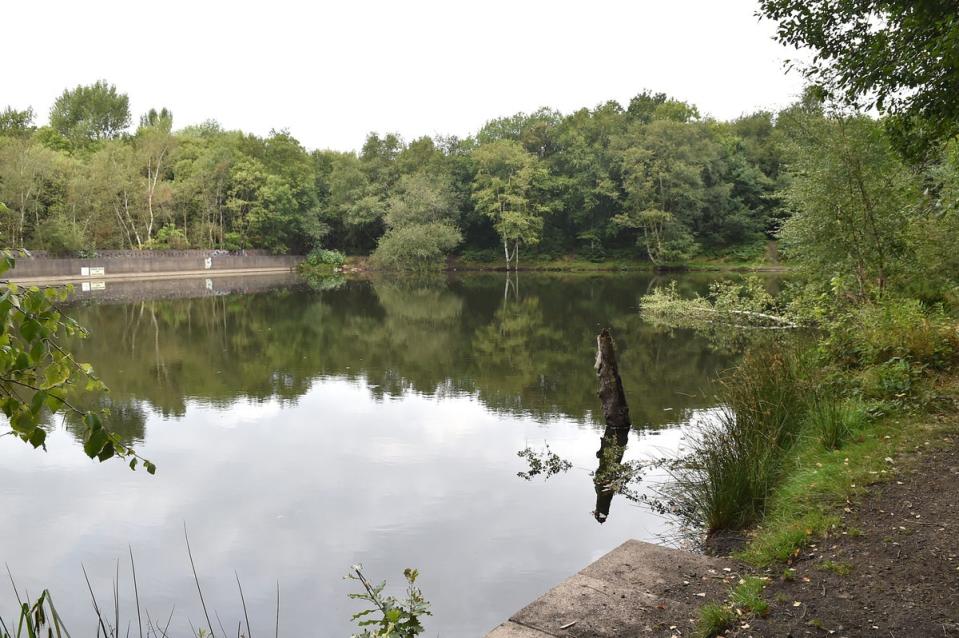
[{"x": 299, "y": 431}]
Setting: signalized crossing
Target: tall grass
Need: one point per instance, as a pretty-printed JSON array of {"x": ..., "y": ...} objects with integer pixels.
[
  {"x": 736, "y": 459},
  {"x": 832, "y": 421},
  {"x": 385, "y": 617}
]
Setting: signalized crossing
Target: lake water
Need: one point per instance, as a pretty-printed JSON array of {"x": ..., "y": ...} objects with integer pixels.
[{"x": 298, "y": 431}]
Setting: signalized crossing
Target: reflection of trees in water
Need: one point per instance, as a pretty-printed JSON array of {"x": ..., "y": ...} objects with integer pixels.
[
  {"x": 514, "y": 355},
  {"x": 529, "y": 353},
  {"x": 126, "y": 418}
]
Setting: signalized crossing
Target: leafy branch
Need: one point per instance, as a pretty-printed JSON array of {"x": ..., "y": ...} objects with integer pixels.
[
  {"x": 396, "y": 618},
  {"x": 38, "y": 376}
]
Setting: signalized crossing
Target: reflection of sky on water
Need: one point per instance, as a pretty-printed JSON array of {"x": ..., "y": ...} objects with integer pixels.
[
  {"x": 299, "y": 492},
  {"x": 300, "y": 431}
]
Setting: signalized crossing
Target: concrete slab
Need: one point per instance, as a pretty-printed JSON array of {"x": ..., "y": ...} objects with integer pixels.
[
  {"x": 514, "y": 630},
  {"x": 638, "y": 589},
  {"x": 658, "y": 570},
  {"x": 592, "y": 608}
]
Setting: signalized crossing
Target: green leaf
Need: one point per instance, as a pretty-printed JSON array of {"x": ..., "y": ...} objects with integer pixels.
[
  {"x": 151, "y": 468},
  {"x": 30, "y": 329},
  {"x": 36, "y": 403},
  {"x": 54, "y": 403},
  {"x": 95, "y": 442},
  {"x": 23, "y": 421},
  {"x": 37, "y": 437},
  {"x": 92, "y": 421},
  {"x": 106, "y": 452},
  {"x": 56, "y": 375},
  {"x": 22, "y": 362},
  {"x": 38, "y": 350}
]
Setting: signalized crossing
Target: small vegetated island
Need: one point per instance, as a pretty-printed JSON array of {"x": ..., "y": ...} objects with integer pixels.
[{"x": 858, "y": 182}]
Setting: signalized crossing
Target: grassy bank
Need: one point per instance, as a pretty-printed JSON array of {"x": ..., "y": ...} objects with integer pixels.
[
  {"x": 808, "y": 428},
  {"x": 484, "y": 262},
  {"x": 810, "y": 512}
]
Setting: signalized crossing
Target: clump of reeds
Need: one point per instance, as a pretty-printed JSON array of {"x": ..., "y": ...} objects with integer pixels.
[
  {"x": 736, "y": 459},
  {"x": 833, "y": 420}
]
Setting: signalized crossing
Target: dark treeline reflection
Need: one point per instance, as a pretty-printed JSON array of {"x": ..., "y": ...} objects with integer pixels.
[{"x": 526, "y": 350}]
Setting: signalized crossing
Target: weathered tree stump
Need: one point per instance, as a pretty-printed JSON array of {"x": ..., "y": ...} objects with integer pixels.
[
  {"x": 612, "y": 446},
  {"x": 611, "y": 394}
]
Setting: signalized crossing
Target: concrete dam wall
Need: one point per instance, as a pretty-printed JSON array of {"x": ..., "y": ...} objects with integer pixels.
[{"x": 130, "y": 264}]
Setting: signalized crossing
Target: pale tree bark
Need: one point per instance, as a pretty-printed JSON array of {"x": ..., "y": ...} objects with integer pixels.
[{"x": 154, "y": 170}]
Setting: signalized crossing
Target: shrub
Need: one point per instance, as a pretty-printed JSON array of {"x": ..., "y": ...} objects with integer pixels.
[
  {"x": 894, "y": 329},
  {"x": 61, "y": 236},
  {"x": 386, "y": 616},
  {"x": 169, "y": 236},
  {"x": 233, "y": 241},
  {"x": 415, "y": 247},
  {"x": 322, "y": 256}
]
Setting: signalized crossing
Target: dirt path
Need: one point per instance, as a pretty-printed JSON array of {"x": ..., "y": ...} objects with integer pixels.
[{"x": 894, "y": 572}]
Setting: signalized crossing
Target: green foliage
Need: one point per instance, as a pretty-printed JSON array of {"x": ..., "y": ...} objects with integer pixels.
[
  {"x": 897, "y": 328},
  {"x": 325, "y": 257},
  {"x": 63, "y": 236},
  {"x": 39, "y": 377},
  {"x": 896, "y": 55},
  {"x": 35, "y": 620},
  {"x": 852, "y": 199},
  {"x": 545, "y": 183},
  {"x": 505, "y": 190},
  {"x": 666, "y": 241},
  {"x": 415, "y": 247},
  {"x": 714, "y": 619},
  {"x": 748, "y": 596},
  {"x": 90, "y": 113},
  {"x": 15, "y": 122},
  {"x": 386, "y": 616},
  {"x": 420, "y": 223},
  {"x": 545, "y": 462},
  {"x": 169, "y": 236},
  {"x": 834, "y": 420},
  {"x": 736, "y": 460},
  {"x": 734, "y": 315},
  {"x": 745, "y": 599},
  {"x": 817, "y": 482}
]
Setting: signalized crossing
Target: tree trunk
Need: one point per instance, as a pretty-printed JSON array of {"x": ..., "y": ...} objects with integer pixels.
[
  {"x": 612, "y": 446},
  {"x": 611, "y": 394}
]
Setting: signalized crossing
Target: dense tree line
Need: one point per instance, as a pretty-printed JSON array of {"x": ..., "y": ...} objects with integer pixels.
[{"x": 654, "y": 179}]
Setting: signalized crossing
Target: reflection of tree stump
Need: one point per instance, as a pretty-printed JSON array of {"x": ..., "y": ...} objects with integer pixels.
[{"x": 616, "y": 412}]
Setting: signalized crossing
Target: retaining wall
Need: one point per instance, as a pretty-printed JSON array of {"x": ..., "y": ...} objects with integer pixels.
[{"x": 133, "y": 262}]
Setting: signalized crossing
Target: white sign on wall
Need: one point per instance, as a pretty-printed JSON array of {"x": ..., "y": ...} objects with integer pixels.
[
  {"x": 84, "y": 271},
  {"x": 208, "y": 263},
  {"x": 97, "y": 271}
]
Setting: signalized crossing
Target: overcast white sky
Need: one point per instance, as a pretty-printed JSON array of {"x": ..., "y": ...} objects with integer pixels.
[{"x": 333, "y": 71}]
